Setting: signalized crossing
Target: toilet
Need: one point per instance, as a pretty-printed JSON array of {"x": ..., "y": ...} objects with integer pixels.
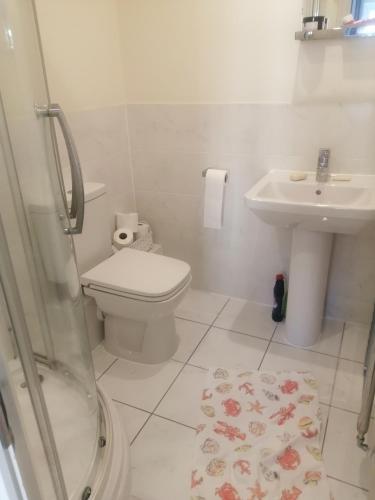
[{"x": 136, "y": 292}]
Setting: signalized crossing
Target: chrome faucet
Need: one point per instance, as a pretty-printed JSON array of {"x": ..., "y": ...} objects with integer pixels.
[{"x": 322, "y": 174}]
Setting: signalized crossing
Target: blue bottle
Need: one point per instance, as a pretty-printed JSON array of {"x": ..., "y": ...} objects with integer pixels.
[{"x": 278, "y": 294}]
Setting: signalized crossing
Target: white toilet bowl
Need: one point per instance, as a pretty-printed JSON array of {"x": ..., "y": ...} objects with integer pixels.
[{"x": 137, "y": 294}]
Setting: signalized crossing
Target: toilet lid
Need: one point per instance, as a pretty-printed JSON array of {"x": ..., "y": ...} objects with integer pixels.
[{"x": 139, "y": 273}]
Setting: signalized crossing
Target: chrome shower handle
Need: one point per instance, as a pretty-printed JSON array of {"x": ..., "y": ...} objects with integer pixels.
[{"x": 77, "y": 208}]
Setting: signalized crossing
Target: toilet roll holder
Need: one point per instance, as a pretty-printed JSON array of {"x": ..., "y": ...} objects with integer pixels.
[{"x": 204, "y": 174}]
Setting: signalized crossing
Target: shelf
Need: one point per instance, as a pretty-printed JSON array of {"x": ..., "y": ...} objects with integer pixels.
[{"x": 331, "y": 34}]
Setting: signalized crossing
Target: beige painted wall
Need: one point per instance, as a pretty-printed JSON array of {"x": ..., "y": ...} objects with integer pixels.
[
  {"x": 236, "y": 51},
  {"x": 210, "y": 51},
  {"x": 82, "y": 52},
  {"x": 220, "y": 51},
  {"x": 84, "y": 65}
]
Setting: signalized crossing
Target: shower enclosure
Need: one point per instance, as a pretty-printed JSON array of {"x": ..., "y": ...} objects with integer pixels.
[{"x": 57, "y": 433}]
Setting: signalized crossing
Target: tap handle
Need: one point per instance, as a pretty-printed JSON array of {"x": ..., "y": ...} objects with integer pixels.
[{"x": 324, "y": 154}]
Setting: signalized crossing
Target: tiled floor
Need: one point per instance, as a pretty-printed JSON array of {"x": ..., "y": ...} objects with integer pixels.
[{"x": 158, "y": 403}]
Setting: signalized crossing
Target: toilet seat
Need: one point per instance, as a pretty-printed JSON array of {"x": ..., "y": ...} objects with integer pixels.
[{"x": 139, "y": 275}]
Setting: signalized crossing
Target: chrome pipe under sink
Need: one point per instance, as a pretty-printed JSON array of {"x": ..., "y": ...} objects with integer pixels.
[{"x": 368, "y": 392}]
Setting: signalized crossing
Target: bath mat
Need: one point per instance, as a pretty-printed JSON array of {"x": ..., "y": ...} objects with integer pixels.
[{"x": 259, "y": 438}]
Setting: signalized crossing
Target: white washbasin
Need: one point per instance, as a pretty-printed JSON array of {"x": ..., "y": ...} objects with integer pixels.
[{"x": 334, "y": 206}]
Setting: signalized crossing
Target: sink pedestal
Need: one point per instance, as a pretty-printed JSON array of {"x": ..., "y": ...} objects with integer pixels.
[{"x": 309, "y": 266}]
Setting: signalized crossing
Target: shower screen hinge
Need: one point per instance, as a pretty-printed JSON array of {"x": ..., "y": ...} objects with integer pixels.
[{"x": 86, "y": 493}]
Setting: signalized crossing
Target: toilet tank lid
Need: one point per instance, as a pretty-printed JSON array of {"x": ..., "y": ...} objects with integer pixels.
[{"x": 92, "y": 190}]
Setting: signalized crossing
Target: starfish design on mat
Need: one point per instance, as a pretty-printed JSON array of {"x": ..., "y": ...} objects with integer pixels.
[
  {"x": 256, "y": 492},
  {"x": 257, "y": 407}
]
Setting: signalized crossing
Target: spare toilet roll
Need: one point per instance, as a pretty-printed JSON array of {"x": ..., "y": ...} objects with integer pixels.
[
  {"x": 214, "y": 198},
  {"x": 129, "y": 220},
  {"x": 123, "y": 237},
  {"x": 143, "y": 230}
]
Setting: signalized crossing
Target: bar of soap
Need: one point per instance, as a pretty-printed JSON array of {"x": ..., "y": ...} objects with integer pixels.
[
  {"x": 298, "y": 176},
  {"x": 341, "y": 177}
]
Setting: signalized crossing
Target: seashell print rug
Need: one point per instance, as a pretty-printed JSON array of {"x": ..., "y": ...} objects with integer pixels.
[{"x": 259, "y": 438}]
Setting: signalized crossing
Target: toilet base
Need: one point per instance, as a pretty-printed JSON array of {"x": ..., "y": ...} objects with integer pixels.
[{"x": 152, "y": 342}]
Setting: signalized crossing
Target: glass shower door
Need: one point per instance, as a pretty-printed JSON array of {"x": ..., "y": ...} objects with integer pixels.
[{"x": 37, "y": 229}]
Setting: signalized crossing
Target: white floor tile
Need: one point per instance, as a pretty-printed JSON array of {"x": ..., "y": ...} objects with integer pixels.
[
  {"x": 347, "y": 393},
  {"x": 131, "y": 418},
  {"x": 342, "y": 491},
  {"x": 354, "y": 343},
  {"x": 137, "y": 384},
  {"x": 202, "y": 306},
  {"x": 247, "y": 317},
  {"x": 182, "y": 400},
  {"x": 162, "y": 458},
  {"x": 282, "y": 357},
  {"x": 329, "y": 341},
  {"x": 343, "y": 459},
  {"x": 230, "y": 350},
  {"x": 102, "y": 360},
  {"x": 190, "y": 334}
]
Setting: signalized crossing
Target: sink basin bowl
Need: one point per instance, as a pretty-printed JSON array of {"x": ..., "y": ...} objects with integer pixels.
[{"x": 334, "y": 206}]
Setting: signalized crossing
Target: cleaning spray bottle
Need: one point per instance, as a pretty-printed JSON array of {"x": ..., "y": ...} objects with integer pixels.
[{"x": 278, "y": 294}]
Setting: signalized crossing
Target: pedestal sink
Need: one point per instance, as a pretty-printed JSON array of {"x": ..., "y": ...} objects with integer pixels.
[{"x": 315, "y": 211}]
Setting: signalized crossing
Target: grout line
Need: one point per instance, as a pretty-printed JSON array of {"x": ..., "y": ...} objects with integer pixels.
[
  {"x": 305, "y": 349},
  {"x": 285, "y": 344},
  {"x": 141, "y": 429},
  {"x": 198, "y": 366},
  {"x": 199, "y": 343},
  {"x": 347, "y": 410},
  {"x": 131, "y": 406},
  {"x": 247, "y": 334},
  {"x": 347, "y": 483},
  {"x": 174, "y": 421},
  {"x": 152, "y": 414},
  {"x": 163, "y": 418},
  {"x": 267, "y": 348},
  {"x": 353, "y": 361},
  {"x": 177, "y": 361},
  {"x": 105, "y": 371},
  {"x": 207, "y": 332},
  {"x": 197, "y": 346},
  {"x": 130, "y": 155},
  {"x": 193, "y": 320},
  {"x": 170, "y": 385},
  {"x": 333, "y": 388},
  {"x": 186, "y": 362}
]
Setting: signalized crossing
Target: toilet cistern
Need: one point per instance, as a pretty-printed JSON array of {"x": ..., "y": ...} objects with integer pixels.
[{"x": 322, "y": 174}]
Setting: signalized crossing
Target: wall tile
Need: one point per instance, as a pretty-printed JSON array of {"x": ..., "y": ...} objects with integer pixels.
[
  {"x": 172, "y": 144},
  {"x": 101, "y": 138}
]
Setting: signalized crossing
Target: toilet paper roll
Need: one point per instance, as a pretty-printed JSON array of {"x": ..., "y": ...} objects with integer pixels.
[
  {"x": 214, "y": 198},
  {"x": 123, "y": 237},
  {"x": 129, "y": 220},
  {"x": 143, "y": 230}
]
